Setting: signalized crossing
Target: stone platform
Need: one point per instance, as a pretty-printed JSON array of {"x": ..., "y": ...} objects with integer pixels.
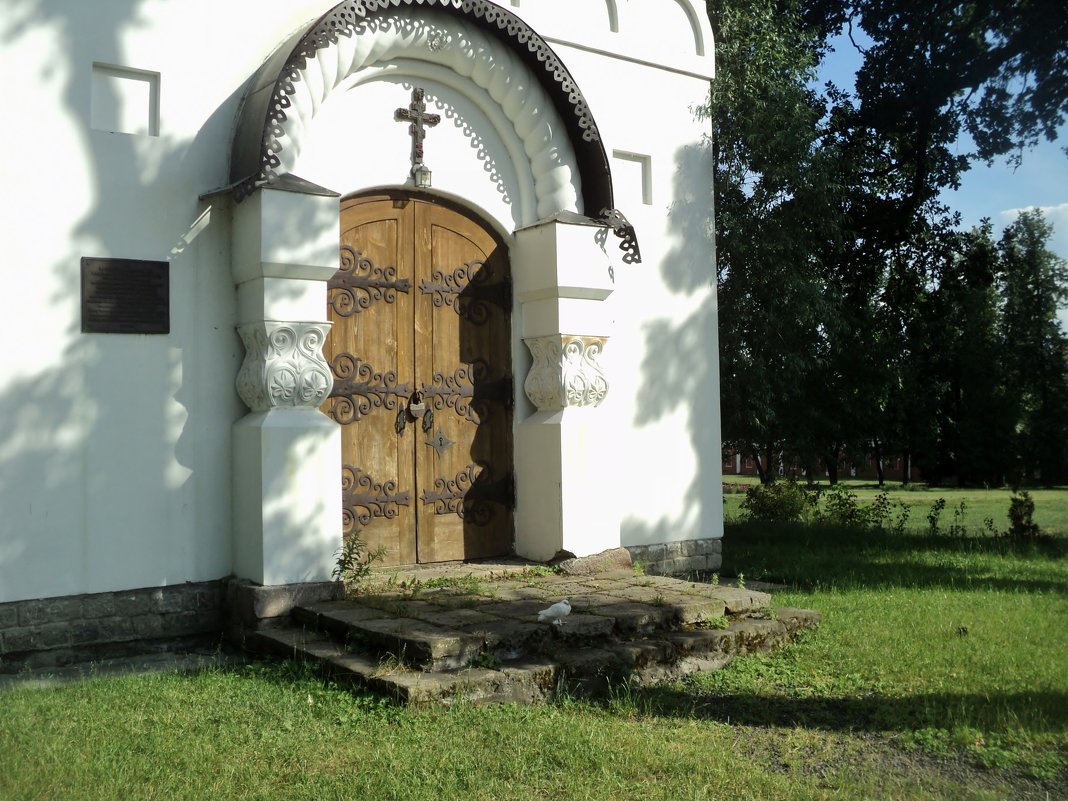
[{"x": 432, "y": 637}]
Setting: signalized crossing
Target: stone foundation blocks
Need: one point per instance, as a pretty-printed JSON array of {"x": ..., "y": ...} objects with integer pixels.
[
  {"x": 681, "y": 558},
  {"x": 51, "y": 632}
]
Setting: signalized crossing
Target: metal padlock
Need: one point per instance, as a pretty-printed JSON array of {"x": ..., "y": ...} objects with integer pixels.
[{"x": 416, "y": 406}]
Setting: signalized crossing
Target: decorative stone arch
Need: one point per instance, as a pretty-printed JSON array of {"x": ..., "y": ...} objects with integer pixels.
[
  {"x": 488, "y": 44},
  {"x": 286, "y": 453}
]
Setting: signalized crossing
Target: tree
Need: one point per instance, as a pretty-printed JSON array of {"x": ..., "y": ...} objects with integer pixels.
[
  {"x": 1034, "y": 287},
  {"x": 976, "y": 410},
  {"x": 774, "y": 199},
  {"x": 935, "y": 71},
  {"x": 853, "y": 316},
  {"x": 910, "y": 329}
]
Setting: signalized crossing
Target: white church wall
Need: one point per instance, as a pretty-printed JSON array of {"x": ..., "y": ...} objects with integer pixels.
[
  {"x": 663, "y": 33},
  {"x": 115, "y": 448},
  {"x": 663, "y": 357},
  {"x": 115, "y": 456}
]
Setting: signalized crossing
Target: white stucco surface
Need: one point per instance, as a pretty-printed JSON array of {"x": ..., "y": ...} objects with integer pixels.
[{"x": 117, "y": 465}]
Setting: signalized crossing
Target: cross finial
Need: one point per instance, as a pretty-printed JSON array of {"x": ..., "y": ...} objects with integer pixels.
[{"x": 416, "y": 115}]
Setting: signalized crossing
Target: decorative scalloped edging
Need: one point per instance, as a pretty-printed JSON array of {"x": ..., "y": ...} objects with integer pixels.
[{"x": 358, "y": 34}]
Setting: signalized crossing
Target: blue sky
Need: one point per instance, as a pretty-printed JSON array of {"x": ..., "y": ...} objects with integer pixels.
[{"x": 997, "y": 191}]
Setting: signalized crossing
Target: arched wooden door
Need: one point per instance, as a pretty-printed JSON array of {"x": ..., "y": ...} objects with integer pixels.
[{"x": 421, "y": 354}]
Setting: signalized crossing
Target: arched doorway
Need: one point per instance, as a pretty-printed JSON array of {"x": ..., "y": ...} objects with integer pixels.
[
  {"x": 287, "y": 454},
  {"x": 421, "y": 356}
]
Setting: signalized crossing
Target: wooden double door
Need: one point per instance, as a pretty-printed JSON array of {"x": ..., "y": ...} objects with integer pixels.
[{"x": 420, "y": 350}]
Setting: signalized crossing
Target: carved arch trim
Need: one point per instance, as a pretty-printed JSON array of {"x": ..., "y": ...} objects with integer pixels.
[{"x": 290, "y": 87}]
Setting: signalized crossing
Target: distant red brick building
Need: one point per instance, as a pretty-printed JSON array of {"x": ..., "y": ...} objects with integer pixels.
[{"x": 736, "y": 463}]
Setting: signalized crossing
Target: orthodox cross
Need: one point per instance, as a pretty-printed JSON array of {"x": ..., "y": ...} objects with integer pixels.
[{"x": 416, "y": 115}]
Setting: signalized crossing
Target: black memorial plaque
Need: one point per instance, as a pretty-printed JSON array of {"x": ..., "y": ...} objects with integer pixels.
[{"x": 125, "y": 296}]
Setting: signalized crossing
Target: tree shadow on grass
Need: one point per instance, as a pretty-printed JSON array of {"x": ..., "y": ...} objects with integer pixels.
[
  {"x": 1040, "y": 711},
  {"x": 810, "y": 556}
]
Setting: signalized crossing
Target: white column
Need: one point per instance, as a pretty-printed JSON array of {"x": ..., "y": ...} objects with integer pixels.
[
  {"x": 565, "y": 468},
  {"x": 287, "y": 454}
]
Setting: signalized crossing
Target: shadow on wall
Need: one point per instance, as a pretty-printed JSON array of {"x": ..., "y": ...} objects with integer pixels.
[
  {"x": 680, "y": 368},
  {"x": 115, "y": 449}
]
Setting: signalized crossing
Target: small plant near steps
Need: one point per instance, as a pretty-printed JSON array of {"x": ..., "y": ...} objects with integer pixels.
[
  {"x": 354, "y": 562},
  {"x": 487, "y": 660},
  {"x": 719, "y": 623}
]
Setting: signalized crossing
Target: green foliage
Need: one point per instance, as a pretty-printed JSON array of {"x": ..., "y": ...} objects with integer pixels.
[
  {"x": 486, "y": 660},
  {"x": 1021, "y": 517},
  {"x": 1022, "y": 527},
  {"x": 856, "y": 319},
  {"x": 469, "y": 583},
  {"x": 774, "y": 199},
  {"x": 914, "y": 502},
  {"x": 353, "y": 562},
  {"x": 959, "y": 525},
  {"x": 935, "y": 515},
  {"x": 1034, "y": 286},
  {"x": 788, "y": 502},
  {"x": 966, "y": 374},
  {"x": 536, "y": 571},
  {"x": 783, "y": 501},
  {"x": 841, "y": 507},
  {"x": 933, "y": 72},
  {"x": 719, "y": 622},
  {"x": 958, "y": 528}
]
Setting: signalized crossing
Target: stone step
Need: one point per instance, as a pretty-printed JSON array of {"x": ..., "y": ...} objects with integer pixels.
[
  {"x": 562, "y": 666},
  {"x": 443, "y": 630},
  {"x": 416, "y": 642},
  {"x": 522, "y": 681}
]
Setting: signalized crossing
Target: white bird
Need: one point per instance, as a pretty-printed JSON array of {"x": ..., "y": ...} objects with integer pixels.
[{"x": 556, "y": 613}]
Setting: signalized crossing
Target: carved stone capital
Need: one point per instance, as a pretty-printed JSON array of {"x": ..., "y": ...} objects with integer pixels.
[
  {"x": 284, "y": 365},
  {"x": 566, "y": 372}
]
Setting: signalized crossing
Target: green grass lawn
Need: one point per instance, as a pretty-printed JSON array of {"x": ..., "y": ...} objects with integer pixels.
[
  {"x": 941, "y": 641},
  {"x": 1051, "y": 505},
  {"x": 940, "y": 672}
]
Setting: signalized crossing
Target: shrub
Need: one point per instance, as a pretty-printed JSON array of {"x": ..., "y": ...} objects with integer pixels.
[
  {"x": 959, "y": 526},
  {"x": 1021, "y": 517},
  {"x": 881, "y": 514},
  {"x": 932, "y": 517},
  {"x": 840, "y": 508},
  {"x": 781, "y": 502}
]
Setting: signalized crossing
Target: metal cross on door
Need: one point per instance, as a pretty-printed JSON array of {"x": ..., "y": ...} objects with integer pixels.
[{"x": 421, "y": 354}]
